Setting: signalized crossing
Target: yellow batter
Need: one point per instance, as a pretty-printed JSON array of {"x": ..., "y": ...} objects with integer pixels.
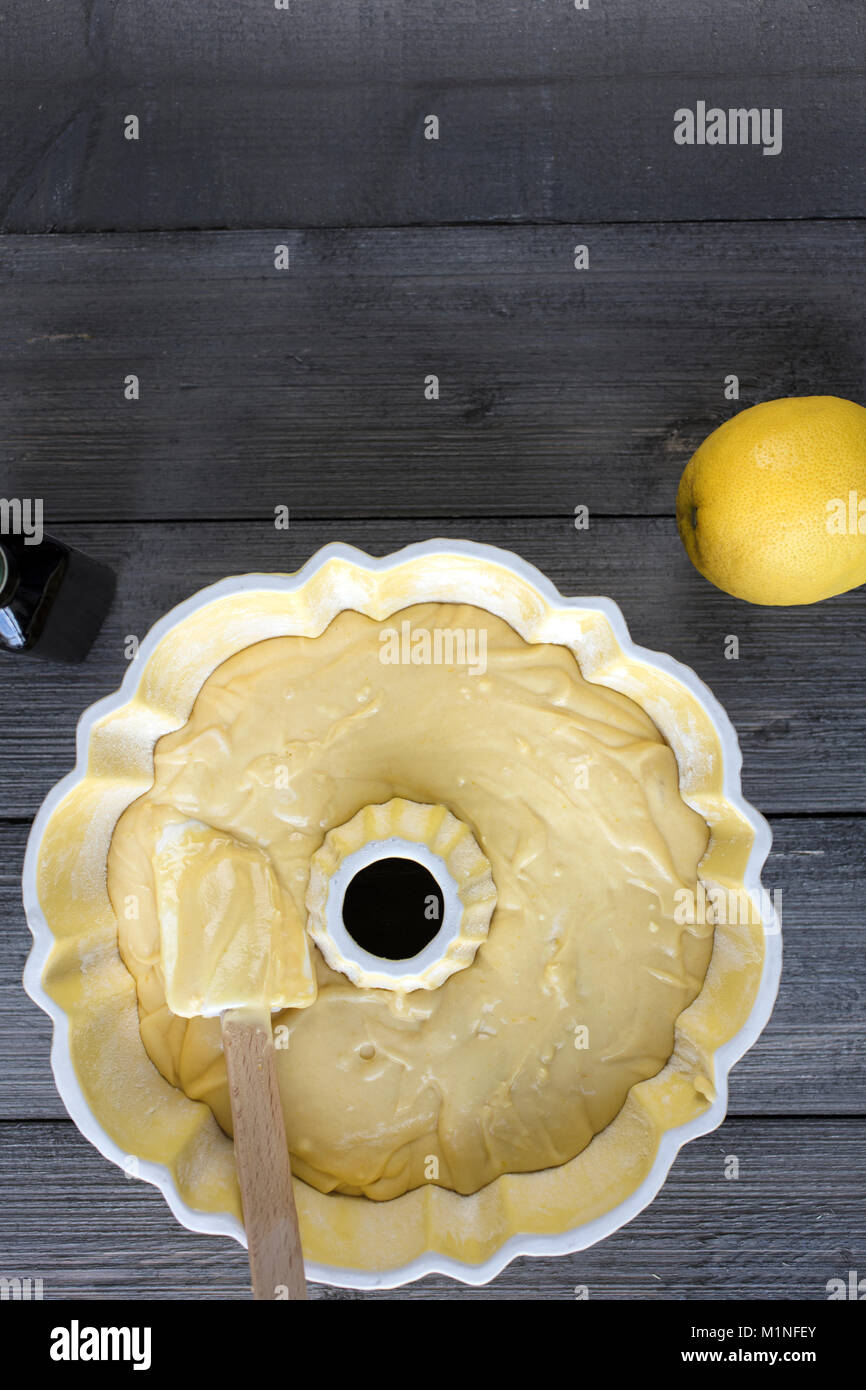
[
  {"x": 228, "y": 939},
  {"x": 514, "y": 1063}
]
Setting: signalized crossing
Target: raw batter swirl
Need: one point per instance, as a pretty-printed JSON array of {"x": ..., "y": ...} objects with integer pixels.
[{"x": 514, "y": 1063}]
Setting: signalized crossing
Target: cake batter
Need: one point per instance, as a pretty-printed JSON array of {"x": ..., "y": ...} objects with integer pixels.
[{"x": 514, "y": 1063}]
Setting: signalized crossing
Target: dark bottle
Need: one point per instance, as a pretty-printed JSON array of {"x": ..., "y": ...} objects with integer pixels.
[{"x": 53, "y": 599}]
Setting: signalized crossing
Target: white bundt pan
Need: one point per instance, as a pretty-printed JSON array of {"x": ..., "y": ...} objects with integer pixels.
[{"x": 464, "y": 572}]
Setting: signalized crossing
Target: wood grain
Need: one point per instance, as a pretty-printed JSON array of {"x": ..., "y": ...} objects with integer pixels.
[
  {"x": 794, "y": 694},
  {"x": 793, "y": 1219},
  {"x": 262, "y": 1157},
  {"x": 314, "y": 115},
  {"x": 306, "y": 387}
]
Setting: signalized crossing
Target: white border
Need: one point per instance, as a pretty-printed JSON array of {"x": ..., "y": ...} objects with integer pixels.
[{"x": 567, "y": 1242}]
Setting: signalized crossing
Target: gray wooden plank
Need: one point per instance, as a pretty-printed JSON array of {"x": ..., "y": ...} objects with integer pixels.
[
  {"x": 809, "y": 1060},
  {"x": 259, "y": 386},
  {"x": 794, "y": 1219},
  {"x": 314, "y": 115},
  {"x": 794, "y": 694}
]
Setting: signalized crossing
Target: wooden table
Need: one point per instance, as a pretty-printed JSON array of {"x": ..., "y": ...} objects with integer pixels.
[{"x": 304, "y": 387}]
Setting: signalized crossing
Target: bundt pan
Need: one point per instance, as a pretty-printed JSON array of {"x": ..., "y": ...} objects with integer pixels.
[{"x": 122, "y": 1104}]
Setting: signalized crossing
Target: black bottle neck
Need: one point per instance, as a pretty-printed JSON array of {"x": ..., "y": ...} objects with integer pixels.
[{"x": 8, "y": 575}]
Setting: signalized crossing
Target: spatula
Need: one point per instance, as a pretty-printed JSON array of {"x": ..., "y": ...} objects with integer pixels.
[
  {"x": 262, "y": 1156},
  {"x": 232, "y": 948}
]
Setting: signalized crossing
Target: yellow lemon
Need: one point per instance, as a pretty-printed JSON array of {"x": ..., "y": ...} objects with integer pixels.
[{"x": 772, "y": 506}]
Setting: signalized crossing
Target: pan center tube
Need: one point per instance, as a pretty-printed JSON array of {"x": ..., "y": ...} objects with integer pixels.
[{"x": 400, "y": 897}]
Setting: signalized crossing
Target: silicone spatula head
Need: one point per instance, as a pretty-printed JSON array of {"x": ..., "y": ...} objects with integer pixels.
[{"x": 230, "y": 938}]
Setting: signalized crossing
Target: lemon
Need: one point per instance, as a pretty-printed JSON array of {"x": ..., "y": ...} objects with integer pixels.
[{"x": 772, "y": 507}]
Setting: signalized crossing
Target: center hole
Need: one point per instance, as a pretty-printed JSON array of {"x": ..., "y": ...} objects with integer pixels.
[{"x": 393, "y": 908}]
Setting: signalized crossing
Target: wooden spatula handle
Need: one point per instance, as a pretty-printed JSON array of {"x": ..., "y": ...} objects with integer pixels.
[{"x": 262, "y": 1155}]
